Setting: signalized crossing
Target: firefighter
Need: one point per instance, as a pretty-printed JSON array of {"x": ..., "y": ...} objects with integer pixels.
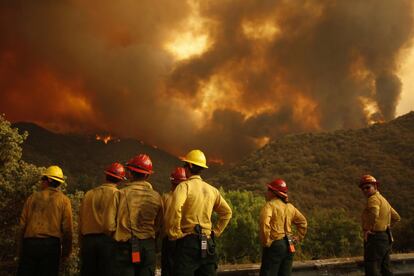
[
  {"x": 46, "y": 227},
  {"x": 275, "y": 229},
  {"x": 97, "y": 223},
  {"x": 139, "y": 217},
  {"x": 188, "y": 220},
  {"x": 377, "y": 218},
  {"x": 168, "y": 247}
]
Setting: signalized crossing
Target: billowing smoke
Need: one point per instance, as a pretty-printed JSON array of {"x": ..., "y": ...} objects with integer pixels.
[
  {"x": 223, "y": 76},
  {"x": 388, "y": 87}
]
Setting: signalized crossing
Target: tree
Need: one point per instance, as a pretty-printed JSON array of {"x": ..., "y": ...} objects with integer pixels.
[
  {"x": 244, "y": 225},
  {"x": 331, "y": 233},
  {"x": 72, "y": 266},
  {"x": 403, "y": 234},
  {"x": 16, "y": 181}
]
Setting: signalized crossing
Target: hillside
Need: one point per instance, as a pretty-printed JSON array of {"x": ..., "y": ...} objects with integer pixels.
[
  {"x": 323, "y": 169},
  {"x": 83, "y": 158}
]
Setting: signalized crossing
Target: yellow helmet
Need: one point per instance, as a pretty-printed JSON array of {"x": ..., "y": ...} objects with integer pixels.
[
  {"x": 55, "y": 173},
  {"x": 196, "y": 157}
]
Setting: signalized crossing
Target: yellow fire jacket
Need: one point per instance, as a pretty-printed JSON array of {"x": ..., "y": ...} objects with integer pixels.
[
  {"x": 140, "y": 211},
  {"x": 98, "y": 210},
  {"x": 48, "y": 213},
  {"x": 166, "y": 201},
  {"x": 378, "y": 214},
  {"x": 192, "y": 203},
  {"x": 276, "y": 219}
]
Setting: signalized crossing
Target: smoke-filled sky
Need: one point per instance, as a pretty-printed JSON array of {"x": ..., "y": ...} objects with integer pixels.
[{"x": 223, "y": 76}]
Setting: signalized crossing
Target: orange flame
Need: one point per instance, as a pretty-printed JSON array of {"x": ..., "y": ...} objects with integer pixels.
[{"x": 104, "y": 138}]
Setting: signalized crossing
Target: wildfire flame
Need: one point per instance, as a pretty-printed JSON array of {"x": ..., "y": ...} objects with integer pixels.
[
  {"x": 372, "y": 111},
  {"x": 104, "y": 138}
]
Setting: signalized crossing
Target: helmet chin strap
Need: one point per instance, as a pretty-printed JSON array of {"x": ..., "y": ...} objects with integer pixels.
[
  {"x": 187, "y": 166},
  {"x": 280, "y": 195}
]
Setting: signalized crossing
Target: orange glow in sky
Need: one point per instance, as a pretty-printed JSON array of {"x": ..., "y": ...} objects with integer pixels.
[
  {"x": 406, "y": 103},
  {"x": 190, "y": 39}
]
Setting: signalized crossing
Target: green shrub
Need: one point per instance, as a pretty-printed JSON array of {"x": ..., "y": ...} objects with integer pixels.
[
  {"x": 244, "y": 225},
  {"x": 331, "y": 233}
]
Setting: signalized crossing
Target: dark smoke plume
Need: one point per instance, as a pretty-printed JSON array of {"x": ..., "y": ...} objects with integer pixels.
[{"x": 268, "y": 68}]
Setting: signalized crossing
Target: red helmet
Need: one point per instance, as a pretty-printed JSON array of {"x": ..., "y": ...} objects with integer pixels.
[
  {"x": 116, "y": 170},
  {"x": 367, "y": 179},
  {"x": 278, "y": 185},
  {"x": 140, "y": 163},
  {"x": 178, "y": 175}
]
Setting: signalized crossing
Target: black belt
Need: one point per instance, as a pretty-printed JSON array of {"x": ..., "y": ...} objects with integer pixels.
[
  {"x": 94, "y": 235},
  {"x": 41, "y": 238},
  {"x": 147, "y": 239},
  {"x": 192, "y": 235}
]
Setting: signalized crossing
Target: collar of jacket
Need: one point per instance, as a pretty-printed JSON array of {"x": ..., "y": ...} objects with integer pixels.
[
  {"x": 112, "y": 185},
  {"x": 53, "y": 189},
  {"x": 277, "y": 199},
  {"x": 194, "y": 177},
  {"x": 140, "y": 184},
  {"x": 376, "y": 193}
]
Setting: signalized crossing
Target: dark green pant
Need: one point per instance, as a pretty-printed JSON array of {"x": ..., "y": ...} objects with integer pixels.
[
  {"x": 188, "y": 259},
  {"x": 276, "y": 259},
  {"x": 167, "y": 257},
  {"x": 39, "y": 256},
  {"x": 123, "y": 260},
  {"x": 377, "y": 251},
  {"x": 97, "y": 253}
]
